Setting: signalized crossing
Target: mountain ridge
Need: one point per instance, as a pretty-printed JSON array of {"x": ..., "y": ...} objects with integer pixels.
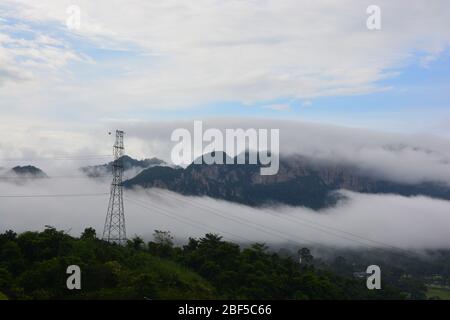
[
  {"x": 301, "y": 181},
  {"x": 128, "y": 162}
]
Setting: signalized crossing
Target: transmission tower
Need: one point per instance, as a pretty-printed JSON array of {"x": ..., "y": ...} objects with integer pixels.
[{"x": 114, "y": 230}]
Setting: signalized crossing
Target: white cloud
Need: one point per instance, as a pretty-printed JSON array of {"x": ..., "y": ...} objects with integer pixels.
[
  {"x": 365, "y": 221},
  {"x": 307, "y": 103},
  {"x": 249, "y": 51},
  {"x": 25, "y": 57},
  {"x": 278, "y": 107},
  {"x": 407, "y": 158},
  {"x": 183, "y": 53}
]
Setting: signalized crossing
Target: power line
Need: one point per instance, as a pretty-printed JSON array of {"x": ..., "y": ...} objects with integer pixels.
[
  {"x": 261, "y": 228},
  {"x": 62, "y": 195},
  {"x": 240, "y": 219},
  {"x": 191, "y": 222},
  {"x": 404, "y": 251},
  {"x": 85, "y": 176},
  {"x": 340, "y": 230},
  {"x": 54, "y": 177},
  {"x": 84, "y": 157}
]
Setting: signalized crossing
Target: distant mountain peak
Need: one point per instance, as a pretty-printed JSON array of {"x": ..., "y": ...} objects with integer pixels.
[
  {"x": 129, "y": 164},
  {"x": 28, "y": 171}
]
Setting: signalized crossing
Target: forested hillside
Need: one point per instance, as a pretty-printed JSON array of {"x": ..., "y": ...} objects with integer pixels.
[{"x": 33, "y": 266}]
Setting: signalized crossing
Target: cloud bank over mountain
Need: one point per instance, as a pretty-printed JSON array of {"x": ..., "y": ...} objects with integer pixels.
[
  {"x": 393, "y": 156},
  {"x": 364, "y": 220},
  {"x": 397, "y": 157}
]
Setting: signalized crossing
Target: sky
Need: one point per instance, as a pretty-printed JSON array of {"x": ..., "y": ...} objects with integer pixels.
[
  {"x": 157, "y": 60},
  {"x": 149, "y": 66}
]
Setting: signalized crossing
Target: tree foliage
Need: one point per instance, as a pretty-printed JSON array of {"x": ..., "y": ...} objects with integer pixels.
[{"x": 33, "y": 266}]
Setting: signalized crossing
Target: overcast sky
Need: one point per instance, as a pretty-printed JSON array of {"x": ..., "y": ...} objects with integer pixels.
[
  {"x": 165, "y": 59},
  {"x": 129, "y": 62}
]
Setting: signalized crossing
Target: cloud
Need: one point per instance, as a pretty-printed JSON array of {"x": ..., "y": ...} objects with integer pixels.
[
  {"x": 26, "y": 54},
  {"x": 189, "y": 53},
  {"x": 307, "y": 103},
  {"x": 278, "y": 107},
  {"x": 365, "y": 221},
  {"x": 405, "y": 158}
]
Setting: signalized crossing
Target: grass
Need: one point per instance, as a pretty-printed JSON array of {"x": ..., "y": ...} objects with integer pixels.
[
  {"x": 3, "y": 297},
  {"x": 436, "y": 291}
]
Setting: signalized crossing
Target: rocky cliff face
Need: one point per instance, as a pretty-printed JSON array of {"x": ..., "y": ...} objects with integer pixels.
[{"x": 299, "y": 182}]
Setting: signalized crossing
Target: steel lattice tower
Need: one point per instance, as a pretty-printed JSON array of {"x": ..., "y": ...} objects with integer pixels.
[{"x": 114, "y": 230}]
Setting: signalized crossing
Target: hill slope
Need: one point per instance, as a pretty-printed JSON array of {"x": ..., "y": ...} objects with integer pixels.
[{"x": 33, "y": 266}]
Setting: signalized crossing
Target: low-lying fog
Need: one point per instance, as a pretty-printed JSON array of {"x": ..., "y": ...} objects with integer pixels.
[{"x": 363, "y": 220}]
